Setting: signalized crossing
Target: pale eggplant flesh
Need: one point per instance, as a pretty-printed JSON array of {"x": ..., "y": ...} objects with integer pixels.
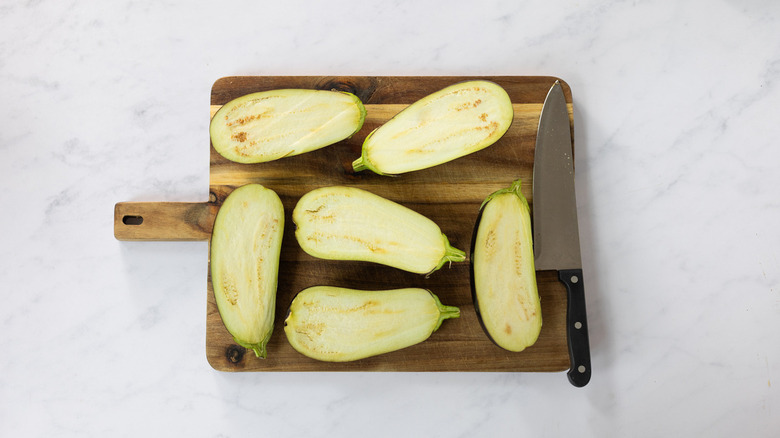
[
  {"x": 245, "y": 246},
  {"x": 335, "y": 324},
  {"x": 504, "y": 286},
  {"x": 347, "y": 223},
  {"x": 270, "y": 125},
  {"x": 453, "y": 122}
]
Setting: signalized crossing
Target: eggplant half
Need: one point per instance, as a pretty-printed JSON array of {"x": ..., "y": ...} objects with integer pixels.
[
  {"x": 503, "y": 275},
  {"x": 334, "y": 324},
  {"x": 244, "y": 254},
  {"x": 448, "y": 124},
  {"x": 269, "y": 125},
  {"x": 347, "y": 223}
]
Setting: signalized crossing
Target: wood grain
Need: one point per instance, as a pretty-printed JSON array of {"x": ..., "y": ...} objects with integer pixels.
[
  {"x": 459, "y": 344},
  {"x": 449, "y": 194},
  {"x": 164, "y": 220}
]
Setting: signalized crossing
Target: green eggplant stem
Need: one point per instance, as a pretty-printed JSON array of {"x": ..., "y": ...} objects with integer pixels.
[
  {"x": 514, "y": 188},
  {"x": 445, "y": 312},
  {"x": 359, "y": 165},
  {"x": 451, "y": 254},
  {"x": 258, "y": 348},
  {"x": 362, "y": 164}
]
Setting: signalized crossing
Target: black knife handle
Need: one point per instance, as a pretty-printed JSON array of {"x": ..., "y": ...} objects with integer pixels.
[{"x": 576, "y": 327}]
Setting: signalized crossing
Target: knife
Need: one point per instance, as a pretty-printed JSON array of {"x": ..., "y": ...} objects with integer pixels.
[{"x": 556, "y": 234}]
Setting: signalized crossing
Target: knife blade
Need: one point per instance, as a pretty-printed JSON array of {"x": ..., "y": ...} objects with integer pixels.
[{"x": 555, "y": 229}]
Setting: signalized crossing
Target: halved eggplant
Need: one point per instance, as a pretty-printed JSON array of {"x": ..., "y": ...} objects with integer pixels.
[
  {"x": 338, "y": 325},
  {"x": 269, "y": 125},
  {"x": 503, "y": 274},
  {"x": 245, "y": 245},
  {"x": 347, "y": 223},
  {"x": 448, "y": 124}
]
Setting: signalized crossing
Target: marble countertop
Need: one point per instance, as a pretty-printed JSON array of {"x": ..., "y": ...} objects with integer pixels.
[{"x": 676, "y": 130}]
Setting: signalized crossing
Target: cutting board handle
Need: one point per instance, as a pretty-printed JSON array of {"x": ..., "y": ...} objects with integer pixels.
[{"x": 150, "y": 221}]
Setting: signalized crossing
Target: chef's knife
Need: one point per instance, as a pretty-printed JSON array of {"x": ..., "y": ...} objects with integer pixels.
[{"x": 556, "y": 234}]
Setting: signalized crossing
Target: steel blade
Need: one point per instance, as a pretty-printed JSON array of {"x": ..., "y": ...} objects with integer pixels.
[{"x": 556, "y": 234}]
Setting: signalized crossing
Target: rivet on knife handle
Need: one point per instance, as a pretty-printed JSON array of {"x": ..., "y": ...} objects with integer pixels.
[{"x": 576, "y": 327}]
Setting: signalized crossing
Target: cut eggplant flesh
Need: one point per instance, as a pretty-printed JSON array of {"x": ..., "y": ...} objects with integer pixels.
[
  {"x": 503, "y": 275},
  {"x": 269, "y": 125},
  {"x": 245, "y": 245},
  {"x": 338, "y": 325},
  {"x": 448, "y": 124},
  {"x": 347, "y": 223}
]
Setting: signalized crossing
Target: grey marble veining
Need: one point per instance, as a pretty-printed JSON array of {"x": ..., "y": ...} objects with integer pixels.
[{"x": 676, "y": 137}]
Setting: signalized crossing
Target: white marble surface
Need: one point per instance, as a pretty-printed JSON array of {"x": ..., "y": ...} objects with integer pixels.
[{"x": 677, "y": 133}]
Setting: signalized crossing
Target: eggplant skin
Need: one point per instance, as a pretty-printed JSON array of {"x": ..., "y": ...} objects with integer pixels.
[
  {"x": 246, "y": 242},
  {"x": 347, "y": 223},
  {"x": 504, "y": 285},
  {"x": 453, "y": 122},
  {"x": 270, "y": 125},
  {"x": 333, "y": 324}
]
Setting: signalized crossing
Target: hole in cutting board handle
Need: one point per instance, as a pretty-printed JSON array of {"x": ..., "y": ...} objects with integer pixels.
[{"x": 132, "y": 220}]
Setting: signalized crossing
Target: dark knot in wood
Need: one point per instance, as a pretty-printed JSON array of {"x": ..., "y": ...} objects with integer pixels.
[
  {"x": 235, "y": 353},
  {"x": 338, "y": 85},
  {"x": 363, "y": 88}
]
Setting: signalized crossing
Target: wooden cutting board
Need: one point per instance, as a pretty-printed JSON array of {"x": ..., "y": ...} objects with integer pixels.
[{"x": 449, "y": 194}]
